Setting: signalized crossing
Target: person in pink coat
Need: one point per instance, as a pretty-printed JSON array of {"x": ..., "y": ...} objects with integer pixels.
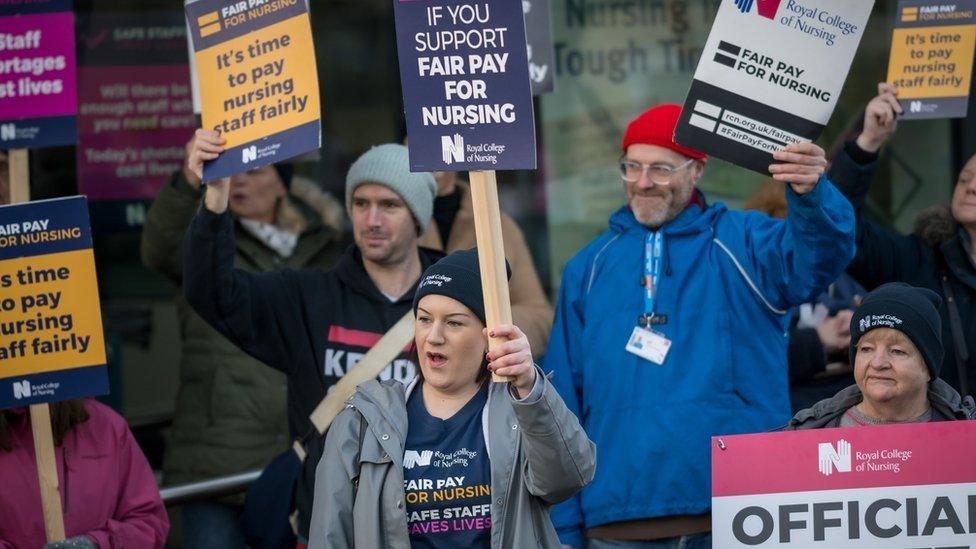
[{"x": 108, "y": 493}]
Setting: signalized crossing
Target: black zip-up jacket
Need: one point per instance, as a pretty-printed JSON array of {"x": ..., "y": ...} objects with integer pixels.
[
  {"x": 313, "y": 325},
  {"x": 946, "y": 405},
  {"x": 939, "y": 262}
]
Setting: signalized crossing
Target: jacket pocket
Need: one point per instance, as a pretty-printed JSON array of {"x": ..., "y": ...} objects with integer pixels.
[{"x": 730, "y": 370}]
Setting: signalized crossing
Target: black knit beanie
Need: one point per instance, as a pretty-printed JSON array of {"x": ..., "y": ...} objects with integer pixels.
[
  {"x": 457, "y": 276},
  {"x": 910, "y": 310}
]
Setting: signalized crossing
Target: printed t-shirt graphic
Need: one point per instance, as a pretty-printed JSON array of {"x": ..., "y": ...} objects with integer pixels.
[{"x": 447, "y": 476}]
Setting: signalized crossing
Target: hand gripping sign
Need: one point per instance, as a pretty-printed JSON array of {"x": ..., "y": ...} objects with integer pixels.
[
  {"x": 770, "y": 75},
  {"x": 468, "y": 105},
  {"x": 255, "y": 62},
  {"x": 876, "y": 487}
]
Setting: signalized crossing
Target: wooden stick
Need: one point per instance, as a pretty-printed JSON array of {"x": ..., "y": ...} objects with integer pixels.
[
  {"x": 19, "y": 176},
  {"x": 40, "y": 414},
  {"x": 47, "y": 471},
  {"x": 373, "y": 362},
  {"x": 491, "y": 255}
]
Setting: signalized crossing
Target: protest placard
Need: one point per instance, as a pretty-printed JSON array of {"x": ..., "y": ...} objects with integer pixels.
[
  {"x": 932, "y": 57},
  {"x": 255, "y": 61},
  {"x": 51, "y": 342},
  {"x": 770, "y": 75},
  {"x": 465, "y": 78},
  {"x": 135, "y": 113},
  {"x": 880, "y": 486},
  {"x": 538, "y": 32},
  {"x": 38, "y": 90}
]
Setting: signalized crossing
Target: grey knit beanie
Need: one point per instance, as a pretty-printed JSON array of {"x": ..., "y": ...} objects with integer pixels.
[{"x": 389, "y": 165}]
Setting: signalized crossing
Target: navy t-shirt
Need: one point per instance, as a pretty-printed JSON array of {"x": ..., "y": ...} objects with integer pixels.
[{"x": 447, "y": 476}]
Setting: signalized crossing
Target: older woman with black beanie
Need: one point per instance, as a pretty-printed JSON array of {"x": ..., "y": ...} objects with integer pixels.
[
  {"x": 897, "y": 352},
  {"x": 452, "y": 460}
]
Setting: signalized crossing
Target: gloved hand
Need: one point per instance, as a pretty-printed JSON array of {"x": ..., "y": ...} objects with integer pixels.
[{"x": 77, "y": 542}]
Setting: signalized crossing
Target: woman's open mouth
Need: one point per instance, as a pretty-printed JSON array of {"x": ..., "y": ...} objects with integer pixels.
[{"x": 436, "y": 360}]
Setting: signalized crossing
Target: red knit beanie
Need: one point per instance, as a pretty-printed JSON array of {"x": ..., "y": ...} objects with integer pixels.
[{"x": 656, "y": 127}]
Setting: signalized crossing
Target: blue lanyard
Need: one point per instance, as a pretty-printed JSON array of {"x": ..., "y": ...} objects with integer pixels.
[{"x": 653, "y": 257}]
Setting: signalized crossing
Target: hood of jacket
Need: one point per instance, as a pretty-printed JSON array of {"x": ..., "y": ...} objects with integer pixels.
[
  {"x": 352, "y": 273},
  {"x": 937, "y": 228},
  {"x": 315, "y": 205},
  {"x": 945, "y": 402},
  {"x": 936, "y": 225}
]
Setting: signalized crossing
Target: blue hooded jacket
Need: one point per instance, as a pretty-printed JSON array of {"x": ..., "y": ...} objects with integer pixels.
[{"x": 728, "y": 281}]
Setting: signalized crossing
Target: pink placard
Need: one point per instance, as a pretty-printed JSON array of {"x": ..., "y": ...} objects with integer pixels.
[
  {"x": 893, "y": 455},
  {"x": 910, "y": 486},
  {"x": 38, "y": 78},
  {"x": 133, "y": 123}
]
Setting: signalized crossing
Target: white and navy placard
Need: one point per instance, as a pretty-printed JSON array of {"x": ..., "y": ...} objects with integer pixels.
[
  {"x": 465, "y": 77},
  {"x": 885, "y": 486},
  {"x": 770, "y": 75}
]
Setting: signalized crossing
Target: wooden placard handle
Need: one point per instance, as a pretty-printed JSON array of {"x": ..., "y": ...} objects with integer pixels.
[
  {"x": 40, "y": 414},
  {"x": 47, "y": 471},
  {"x": 19, "y": 176},
  {"x": 491, "y": 255}
]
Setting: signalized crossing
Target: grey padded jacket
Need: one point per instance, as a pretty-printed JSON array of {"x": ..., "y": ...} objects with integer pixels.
[{"x": 539, "y": 455}]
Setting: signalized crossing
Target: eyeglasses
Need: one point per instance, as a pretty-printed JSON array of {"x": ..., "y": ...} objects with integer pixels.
[{"x": 632, "y": 171}]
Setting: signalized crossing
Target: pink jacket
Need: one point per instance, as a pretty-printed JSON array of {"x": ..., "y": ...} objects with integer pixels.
[{"x": 108, "y": 492}]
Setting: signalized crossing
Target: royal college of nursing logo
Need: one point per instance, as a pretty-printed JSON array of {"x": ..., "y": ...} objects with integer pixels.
[
  {"x": 413, "y": 458},
  {"x": 249, "y": 154},
  {"x": 452, "y": 148},
  {"x": 830, "y": 458},
  {"x": 766, "y": 8},
  {"x": 22, "y": 389}
]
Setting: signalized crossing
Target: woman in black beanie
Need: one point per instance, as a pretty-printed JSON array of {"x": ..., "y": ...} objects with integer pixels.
[
  {"x": 896, "y": 350},
  {"x": 452, "y": 460}
]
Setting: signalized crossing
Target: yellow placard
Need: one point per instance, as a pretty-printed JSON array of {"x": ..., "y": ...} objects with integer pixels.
[
  {"x": 49, "y": 314},
  {"x": 260, "y": 83},
  {"x": 929, "y": 62}
]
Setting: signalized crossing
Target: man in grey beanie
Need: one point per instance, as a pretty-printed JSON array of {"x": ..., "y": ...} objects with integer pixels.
[{"x": 315, "y": 325}]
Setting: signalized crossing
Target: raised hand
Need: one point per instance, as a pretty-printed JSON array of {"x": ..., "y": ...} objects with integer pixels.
[
  {"x": 207, "y": 145},
  {"x": 513, "y": 358},
  {"x": 880, "y": 118},
  {"x": 800, "y": 165}
]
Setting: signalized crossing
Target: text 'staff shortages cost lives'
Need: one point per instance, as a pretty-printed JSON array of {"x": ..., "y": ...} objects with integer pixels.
[
  {"x": 879, "y": 487},
  {"x": 465, "y": 77},
  {"x": 38, "y": 84},
  {"x": 255, "y": 63},
  {"x": 51, "y": 342},
  {"x": 770, "y": 75},
  {"x": 932, "y": 57}
]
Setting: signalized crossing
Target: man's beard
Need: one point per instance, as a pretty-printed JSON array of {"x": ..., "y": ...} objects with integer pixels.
[{"x": 675, "y": 203}]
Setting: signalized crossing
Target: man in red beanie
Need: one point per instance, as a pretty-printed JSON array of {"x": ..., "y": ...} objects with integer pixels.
[{"x": 672, "y": 327}]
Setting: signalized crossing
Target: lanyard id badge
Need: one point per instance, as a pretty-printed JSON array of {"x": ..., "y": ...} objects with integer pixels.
[
  {"x": 644, "y": 341},
  {"x": 649, "y": 345}
]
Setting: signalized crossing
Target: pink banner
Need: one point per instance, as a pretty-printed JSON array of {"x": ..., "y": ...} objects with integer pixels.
[
  {"x": 133, "y": 122},
  {"x": 879, "y": 486},
  {"x": 37, "y": 66},
  {"x": 930, "y": 453}
]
